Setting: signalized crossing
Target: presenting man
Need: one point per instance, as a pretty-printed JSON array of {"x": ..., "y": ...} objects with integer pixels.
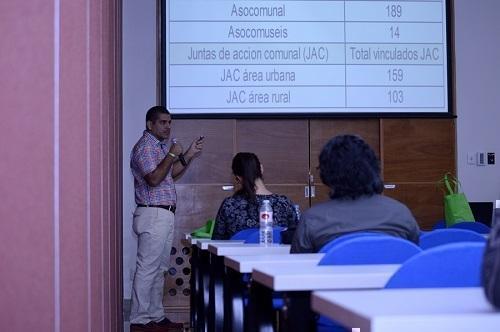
[{"x": 155, "y": 164}]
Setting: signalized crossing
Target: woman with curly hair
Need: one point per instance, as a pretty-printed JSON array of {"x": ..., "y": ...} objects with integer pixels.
[
  {"x": 350, "y": 168},
  {"x": 241, "y": 211}
]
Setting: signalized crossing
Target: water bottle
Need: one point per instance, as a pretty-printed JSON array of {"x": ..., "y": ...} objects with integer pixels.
[
  {"x": 496, "y": 214},
  {"x": 297, "y": 211},
  {"x": 266, "y": 223}
]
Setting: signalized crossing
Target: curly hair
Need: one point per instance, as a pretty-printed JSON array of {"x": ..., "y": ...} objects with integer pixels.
[
  {"x": 247, "y": 166},
  {"x": 350, "y": 168}
]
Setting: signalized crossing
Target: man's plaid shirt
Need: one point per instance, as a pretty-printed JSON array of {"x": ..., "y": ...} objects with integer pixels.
[{"x": 147, "y": 153}]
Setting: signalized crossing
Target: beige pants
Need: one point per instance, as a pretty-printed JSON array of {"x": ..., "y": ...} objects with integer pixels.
[{"x": 155, "y": 231}]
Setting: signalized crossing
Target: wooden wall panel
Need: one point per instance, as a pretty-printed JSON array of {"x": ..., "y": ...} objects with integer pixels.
[
  {"x": 281, "y": 145},
  {"x": 424, "y": 200},
  {"x": 213, "y": 165},
  {"x": 418, "y": 150}
]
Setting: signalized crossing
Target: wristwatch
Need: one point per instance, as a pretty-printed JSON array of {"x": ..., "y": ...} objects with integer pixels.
[{"x": 182, "y": 160}]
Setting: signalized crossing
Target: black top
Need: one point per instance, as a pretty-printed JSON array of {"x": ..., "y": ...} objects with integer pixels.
[{"x": 237, "y": 213}]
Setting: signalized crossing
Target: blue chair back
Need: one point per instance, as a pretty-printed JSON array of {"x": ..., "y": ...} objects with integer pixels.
[
  {"x": 439, "y": 224},
  {"x": 244, "y": 233},
  {"x": 370, "y": 250},
  {"x": 345, "y": 237},
  {"x": 363, "y": 248},
  {"x": 439, "y": 237},
  {"x": 473, "y": 226},
  {"x": 451, "y": 265},
  {"x": 255, "y": 236}
]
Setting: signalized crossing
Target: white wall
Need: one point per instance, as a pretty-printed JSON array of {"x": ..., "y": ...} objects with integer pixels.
[
  {"x": 477, "y": 55},
  {"x": 139, "y": 94}
]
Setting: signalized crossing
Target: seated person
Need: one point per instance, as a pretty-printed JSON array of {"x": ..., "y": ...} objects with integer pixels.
[
  {"x": 349, "y": 167},
  {"x": 241, "y": 211},
  {"x": 491, "y": 267}
]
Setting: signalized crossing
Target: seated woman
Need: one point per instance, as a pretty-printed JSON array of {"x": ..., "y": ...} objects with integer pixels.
[
  {"x": 241, "y": 211},
  {"x": 349, "y": 167}
]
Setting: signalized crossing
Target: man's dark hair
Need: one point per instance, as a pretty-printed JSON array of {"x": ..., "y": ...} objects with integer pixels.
[
  {"x": 247, "y": 166},
  {"x": 154, "y": 113},
  {"x": 350, "y": 168}
]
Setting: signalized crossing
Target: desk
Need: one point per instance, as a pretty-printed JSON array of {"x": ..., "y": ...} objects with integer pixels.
[
  {"x": 199, "y": 280},
  {"x": 234, "y": 285},
  {"x": 245, "y": 264},
  {"x": 297, "y": 281},
  {"x": 409, "y": 310},
  {"x": 218, "y": 274}
]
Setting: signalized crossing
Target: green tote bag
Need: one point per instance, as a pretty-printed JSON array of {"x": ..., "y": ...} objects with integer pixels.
[{"x": 456, "y": 206}]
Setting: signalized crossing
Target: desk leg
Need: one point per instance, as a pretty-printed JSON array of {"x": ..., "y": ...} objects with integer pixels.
[
  {"x": 296, "y": 315},
  {"x": 234, "y": 288},
  {"x": 194, "y": 285},
  {"x": 216, "y": 296},
  {"x": 202, "y": 296},
  {"x": 260, "y": 312}
]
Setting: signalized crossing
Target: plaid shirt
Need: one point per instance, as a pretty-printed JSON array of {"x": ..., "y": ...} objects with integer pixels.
[{"x": 146, "y": 155}]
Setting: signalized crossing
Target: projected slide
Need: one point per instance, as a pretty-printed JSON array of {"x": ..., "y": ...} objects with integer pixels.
[{"x": 292, "y": 56}]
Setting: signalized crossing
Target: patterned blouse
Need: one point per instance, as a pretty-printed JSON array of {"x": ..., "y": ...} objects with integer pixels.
[{"x": 237, "y": 213}]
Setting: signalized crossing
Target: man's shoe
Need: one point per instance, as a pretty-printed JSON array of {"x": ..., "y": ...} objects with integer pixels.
[{"x": 167, "y": 325}]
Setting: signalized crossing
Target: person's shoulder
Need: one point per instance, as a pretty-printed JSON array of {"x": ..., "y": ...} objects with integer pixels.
[
  {"x": 142, "y": 144},
  {"x": 280, "y": 197},
  {"x": 391, "y": 203},
  {"x": 319, "y": 210},
  {"x": 232, "y": 200},
  {"x": 386, "y": 200}
]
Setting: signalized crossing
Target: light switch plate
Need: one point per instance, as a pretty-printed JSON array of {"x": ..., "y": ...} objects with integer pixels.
[
  {"x": 471, "y": 158},
  {"x": 481, "y": 159}
]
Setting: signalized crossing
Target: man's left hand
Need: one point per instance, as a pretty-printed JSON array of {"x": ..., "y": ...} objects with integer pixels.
[{"x": 195, "y": 147}]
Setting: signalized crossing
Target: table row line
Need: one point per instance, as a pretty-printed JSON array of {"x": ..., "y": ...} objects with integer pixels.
[
  {"x": 306, "y": 10},
  {"x": 306, "y": 53},
  {"x": 305, "y": 75},
  {"x": 306, "y": 31},
  {"x": 305, "y": 97}
]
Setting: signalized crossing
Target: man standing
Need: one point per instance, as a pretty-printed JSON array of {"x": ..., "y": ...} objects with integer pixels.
[{"x": 155, "y": 164}]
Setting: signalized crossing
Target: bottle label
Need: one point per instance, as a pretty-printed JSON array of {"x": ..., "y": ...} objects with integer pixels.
[{"x": 265, "y": 215}]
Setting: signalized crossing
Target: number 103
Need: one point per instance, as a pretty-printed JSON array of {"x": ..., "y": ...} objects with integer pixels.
[{"x": 396, "y": 96}]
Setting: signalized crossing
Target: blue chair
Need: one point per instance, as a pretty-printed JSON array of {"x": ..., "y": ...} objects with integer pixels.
[
  {"x": 370, "y": 250},
  {"x": 440, "y": 224},
  {"x": 473, "y": 226},
  {"x": 345, "y": 237},
  {"x": 451, "y": 265},
  {"x": 367, "y": 249},
  {"x": 244, "y": 233},
  {"x": 255, "y": 236},
  {"x": 439, "y": 237}
]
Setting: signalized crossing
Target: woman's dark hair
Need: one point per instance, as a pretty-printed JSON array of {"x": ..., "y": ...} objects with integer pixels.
[
  {"x": 349, "y": 167},
  {"x": 246, "y": 165}
]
